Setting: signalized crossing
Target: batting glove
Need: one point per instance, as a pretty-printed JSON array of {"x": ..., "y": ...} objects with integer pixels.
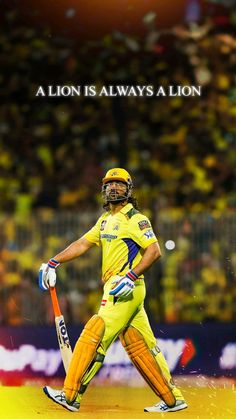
[
  {"x": 47, "y": 274},
  {"x": 125, "y": 285}
]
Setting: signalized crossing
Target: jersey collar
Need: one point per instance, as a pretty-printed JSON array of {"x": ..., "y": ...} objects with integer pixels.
[{"x": 126, "y": 209}]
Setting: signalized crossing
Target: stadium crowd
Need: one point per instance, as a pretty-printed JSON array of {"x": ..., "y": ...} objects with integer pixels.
[{"x": 180, "y": 150}]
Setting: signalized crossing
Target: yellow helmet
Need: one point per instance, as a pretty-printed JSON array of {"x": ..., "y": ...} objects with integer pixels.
[
  {"x": 121, "y": 175},
  {"x": 117, "y": 174}
]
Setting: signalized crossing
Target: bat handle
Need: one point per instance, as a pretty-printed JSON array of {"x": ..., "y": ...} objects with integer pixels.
[{"x": 55, "y": 303}]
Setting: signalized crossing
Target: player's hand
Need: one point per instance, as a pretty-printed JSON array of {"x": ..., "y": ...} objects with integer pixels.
[
  {"x": 124, "y": 286},
  {"x": 47, "y": 275}
]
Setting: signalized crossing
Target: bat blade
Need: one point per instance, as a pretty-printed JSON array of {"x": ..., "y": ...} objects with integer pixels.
[
  {"x": 62, "y": 334},
  {"x": 63, "y": 340}
]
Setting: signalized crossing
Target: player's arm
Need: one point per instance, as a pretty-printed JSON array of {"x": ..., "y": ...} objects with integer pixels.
[
  {"x": 125, "y": 285},
  {"x": 150, "y": 255},
  {"x": 141, "y": 233},
  {"x": 47, "y": 271},
  {"x": 74, "y": 250}
]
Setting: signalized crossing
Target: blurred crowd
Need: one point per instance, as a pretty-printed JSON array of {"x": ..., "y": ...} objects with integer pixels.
[
  {"x": 181, "y": 150},
  {"x": 54, "y": 151}
]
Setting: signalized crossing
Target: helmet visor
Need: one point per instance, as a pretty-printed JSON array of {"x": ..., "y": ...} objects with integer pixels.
[{"x": 115, "y": 191}]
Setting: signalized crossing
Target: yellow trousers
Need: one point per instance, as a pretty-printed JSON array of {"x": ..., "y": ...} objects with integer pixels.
[{"x": 117, "y": 315}]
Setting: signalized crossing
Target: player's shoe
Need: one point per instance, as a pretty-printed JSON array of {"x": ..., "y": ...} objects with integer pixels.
[
  {"x": 162, "y": 407},
  {"x": 58, "y": 396}
]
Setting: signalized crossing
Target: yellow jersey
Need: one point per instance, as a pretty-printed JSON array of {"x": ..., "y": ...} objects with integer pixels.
[{"x": 122, "y": 237}]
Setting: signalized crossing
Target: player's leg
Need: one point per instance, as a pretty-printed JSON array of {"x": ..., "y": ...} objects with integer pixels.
[
  {"x": 83, "y": 357},
  {"x": 116, "y": 314},
  {"x": 140, "y": 343},
  {"x": 93, "y": 343},
  {"x": 141, "y": 323}
]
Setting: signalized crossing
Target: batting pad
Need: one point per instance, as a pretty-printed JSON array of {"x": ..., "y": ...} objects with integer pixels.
[
  {"x": 146, "y": 364},
  {"x": 83, "y": 355}
]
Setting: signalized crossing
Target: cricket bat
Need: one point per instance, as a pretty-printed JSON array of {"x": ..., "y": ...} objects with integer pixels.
[{"x": 62, "y": 335}]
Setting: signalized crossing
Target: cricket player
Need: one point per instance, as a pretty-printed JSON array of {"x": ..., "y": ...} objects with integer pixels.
[{"x": 129, "y": 247}]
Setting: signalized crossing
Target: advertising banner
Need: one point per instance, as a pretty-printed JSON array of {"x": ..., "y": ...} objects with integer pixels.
[{"x": 206, "y": 349}]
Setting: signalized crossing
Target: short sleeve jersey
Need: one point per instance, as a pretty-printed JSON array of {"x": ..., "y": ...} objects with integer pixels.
[{"x": 122, "y": 237}]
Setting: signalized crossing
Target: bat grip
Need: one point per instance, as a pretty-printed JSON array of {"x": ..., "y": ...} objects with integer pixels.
[{"x": 55, "y": 303}]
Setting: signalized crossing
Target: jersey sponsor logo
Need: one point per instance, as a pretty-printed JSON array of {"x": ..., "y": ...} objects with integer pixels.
[
  {"x": 103, "y": 223},
  {"x": 149, "y": 234},
  {"x": 109, "y": 237},
  {"x": 144, "y": 224}
]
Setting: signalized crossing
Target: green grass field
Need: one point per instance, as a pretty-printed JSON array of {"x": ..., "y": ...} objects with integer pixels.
[{"x": 29, "y": 402}]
